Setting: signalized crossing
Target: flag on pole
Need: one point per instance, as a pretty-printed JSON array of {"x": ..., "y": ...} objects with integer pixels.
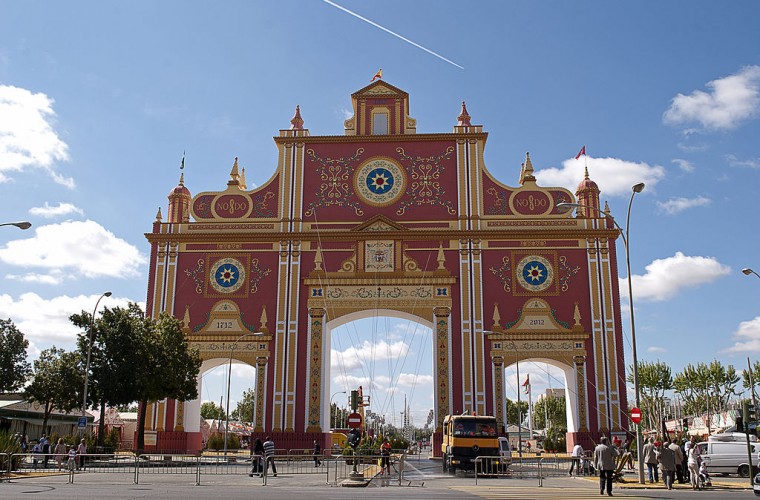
[
  {"x": 379, "y": 75},
  {"x": 182, "y": 166},
  {"x": 526, "y": 384},
  {"x": 581, "y": 152}
]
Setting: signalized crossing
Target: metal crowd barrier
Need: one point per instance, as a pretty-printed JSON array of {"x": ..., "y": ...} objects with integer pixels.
[
  {"x": 334, "y": 468},
  {"x": 537, "y": 466}
]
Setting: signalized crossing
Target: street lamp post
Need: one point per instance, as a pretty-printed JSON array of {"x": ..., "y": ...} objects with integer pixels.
[
  {"x": 89, "y": 351},
  {"x": 636, "y": 188},
  {"x": 229, "y": 378},
  {"x": 331, "y": 398},
  {"x": 21, "y": 224}
]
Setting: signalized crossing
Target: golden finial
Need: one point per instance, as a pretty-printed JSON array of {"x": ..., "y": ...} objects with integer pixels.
[
  {"x": 158, "y": 215},
  {"x": 464, "y": 117}
]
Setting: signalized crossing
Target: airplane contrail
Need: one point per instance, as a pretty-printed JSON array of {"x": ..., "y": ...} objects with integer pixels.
[{"x": 391, "y": 32}]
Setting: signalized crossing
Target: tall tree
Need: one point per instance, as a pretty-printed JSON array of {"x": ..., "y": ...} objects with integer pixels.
[
  {"x": 169, "y": 368},
  {"x": 113, "y": 360},
  {"x": 654, "y": 380},
  {"x": 550, "y": 408},
  {"x": 212, "y": 411},
  {"x": 751, "y": 382},
  {"x": 14, "y": 367},
  {"x": 706, "y": 388},
  {"x": 244, "y": 409},
  {"x": 57, "y": 382}
]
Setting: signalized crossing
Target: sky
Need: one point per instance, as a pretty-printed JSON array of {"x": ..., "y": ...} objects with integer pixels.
[{"x": 99, "y": 100}]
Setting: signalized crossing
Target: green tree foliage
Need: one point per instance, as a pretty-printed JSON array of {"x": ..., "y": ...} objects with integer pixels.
[
  {"x": 57, "y": 381},
  {"x": 512, "y": 412},
  {"x": 338, "y": 416},
  {"x": 755, "y": 379},
  {"x": 553, "y": 409},
  {"x": 14, "y": 368},
  {"x": 169, "y": 368},
  {"x": 210, "y": 410},
  {"x": 244, "y": 409},
  {"x": 113, "y": 358},
  {"x": 654, "y": 380},
  {"x": 706, "y": 387}
]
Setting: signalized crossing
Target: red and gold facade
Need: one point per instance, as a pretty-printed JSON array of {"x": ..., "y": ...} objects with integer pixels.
[{"x": 385, "y": 219}]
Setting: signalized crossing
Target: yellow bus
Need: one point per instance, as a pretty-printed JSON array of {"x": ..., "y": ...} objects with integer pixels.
[{"x": 466, "y": 437}]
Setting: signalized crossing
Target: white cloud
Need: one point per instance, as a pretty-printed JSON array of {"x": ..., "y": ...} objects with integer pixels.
[
  {"x": 27, "y": 137},
  {"x": 684, "y": 165},
  {"x": 748, "y": 337},
  {"x": 665, "y": 278},
  {"x": 676, "y": 205},
  {"x": 656, "y": 349},
  {"x": 49, "y": 212},
  {"x": 75, "y": 248},
  {"x": 753, "y": 163},
  {"x": 730, "y": 101},
  {"x": 46, "y": 321},
  {"x": 613, "y": 175},
  {"x": 355, "y": 357}
]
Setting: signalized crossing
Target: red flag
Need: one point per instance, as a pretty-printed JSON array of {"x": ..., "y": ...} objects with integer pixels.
[
  {"x": 581, "y": 152},
  {"x": 527, "y": 380},
  {"x": 379, "y": 75}
]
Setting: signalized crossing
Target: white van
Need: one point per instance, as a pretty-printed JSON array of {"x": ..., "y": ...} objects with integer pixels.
[
  {"x": 505, "y": 452},
  {"x": 727, "y": 453}
]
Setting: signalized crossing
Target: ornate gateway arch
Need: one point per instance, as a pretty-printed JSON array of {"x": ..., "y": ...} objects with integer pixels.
[{"x": 384, "y": 218}]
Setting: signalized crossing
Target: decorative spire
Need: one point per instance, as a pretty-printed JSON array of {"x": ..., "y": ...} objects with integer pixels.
[
  {"x": 496, "y": 318},
  {"x": 182, "y": 179},
  {"x": 186, "y": 318},
  {"x": 526, "y": 173},
  {"x": 463, "y": 118},
  {"x": 577, "y": 315},
  {"x": 263, "y": 320},
  {"x": 606, "y": 208},
  {"x": 297, "y": 122},
  {"x": 158, "y": 215},
  {"x": 586, "y": 174},
  {"x": 234, "y": 174},
  {"x": 318, "y": 260},
  {"x": 243, "y": 184},
  {"x": 441, "y": 258}
]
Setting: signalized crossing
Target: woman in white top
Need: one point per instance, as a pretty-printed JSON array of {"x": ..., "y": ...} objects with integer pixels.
[{"x": 693, "y": 463}]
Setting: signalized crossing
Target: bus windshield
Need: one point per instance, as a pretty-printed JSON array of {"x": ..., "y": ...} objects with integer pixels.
[{"x": 474, "y": 428}]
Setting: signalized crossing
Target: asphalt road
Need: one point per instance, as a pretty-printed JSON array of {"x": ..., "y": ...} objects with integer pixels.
[{"x": 423, "y": 480}]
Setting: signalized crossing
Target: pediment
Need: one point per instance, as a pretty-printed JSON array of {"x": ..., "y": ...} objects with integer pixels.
[
  {"x": 379, "y": 88},
  {"x": 379, "y": 223}
]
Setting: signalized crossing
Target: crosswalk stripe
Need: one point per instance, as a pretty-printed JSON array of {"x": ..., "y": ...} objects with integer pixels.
[{"x": 532, "y": 492}]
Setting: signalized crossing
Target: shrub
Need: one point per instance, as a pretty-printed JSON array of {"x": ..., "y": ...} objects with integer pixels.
[{"x": 9, "y": 444}]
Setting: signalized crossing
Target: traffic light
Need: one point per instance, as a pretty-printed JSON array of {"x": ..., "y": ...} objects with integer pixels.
[
  {"x": 739, "y": 423},
  {"x": 685, "y": 424},
  {"x": 354, "y": 400}
]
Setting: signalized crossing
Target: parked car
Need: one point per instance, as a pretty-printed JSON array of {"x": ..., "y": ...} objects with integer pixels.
[
  {"x": 505, "y": 452},
  {"x": 727, "y": 454}
]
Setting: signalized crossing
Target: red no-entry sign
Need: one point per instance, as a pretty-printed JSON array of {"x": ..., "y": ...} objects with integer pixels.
[
  {"x": 635, "y": 415},
  {"x": 354, "y": 420}
]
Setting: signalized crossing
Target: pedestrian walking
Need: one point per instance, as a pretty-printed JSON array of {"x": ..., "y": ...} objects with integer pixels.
[
  {"x": 650, "y": 458},
  {"x": 317, "y": 453},
  {"x": 694, "y": 462},
  {"x": 604, "y": 460},
  {"x": 385, "y": 457},
  {"x": 269, "y": 456},
  {"x": 575, "y": 463},
  {"x": 60, "y": 453},
  {"x": 45, "y": 450},
  {"x": 679, "y": 461},
  {"x": 257, "y": 458},
  {"x": 81, "y": 452},
  {"x": 667, "y": 459}
]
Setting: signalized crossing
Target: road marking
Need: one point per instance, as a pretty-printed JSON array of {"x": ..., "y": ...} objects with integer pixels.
[{"x": 533, "y": 492}]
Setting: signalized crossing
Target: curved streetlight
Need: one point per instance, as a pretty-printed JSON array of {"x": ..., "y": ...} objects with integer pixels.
[
  {"x": 89, "y": 352},
  {"x": 749, "y": 271},
  {"x": 21, "y": 224},
  {"x": 331, "y": 398},
  {"x": 636, "y": 188},
  {"x": 229, "y": 377}
]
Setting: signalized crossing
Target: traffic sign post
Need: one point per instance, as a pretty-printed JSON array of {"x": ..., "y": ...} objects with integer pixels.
[
  {"x": 635, "y": 415},
  {"x": 82, "y": 422},
  {"x": 354, "y": 420}
]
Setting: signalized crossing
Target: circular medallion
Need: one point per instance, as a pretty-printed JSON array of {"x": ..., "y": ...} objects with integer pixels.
[
  {"x": 227, "y": 275},
  {"x": 535, "y": 273},
  {"x": 379, "y": 181}
]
